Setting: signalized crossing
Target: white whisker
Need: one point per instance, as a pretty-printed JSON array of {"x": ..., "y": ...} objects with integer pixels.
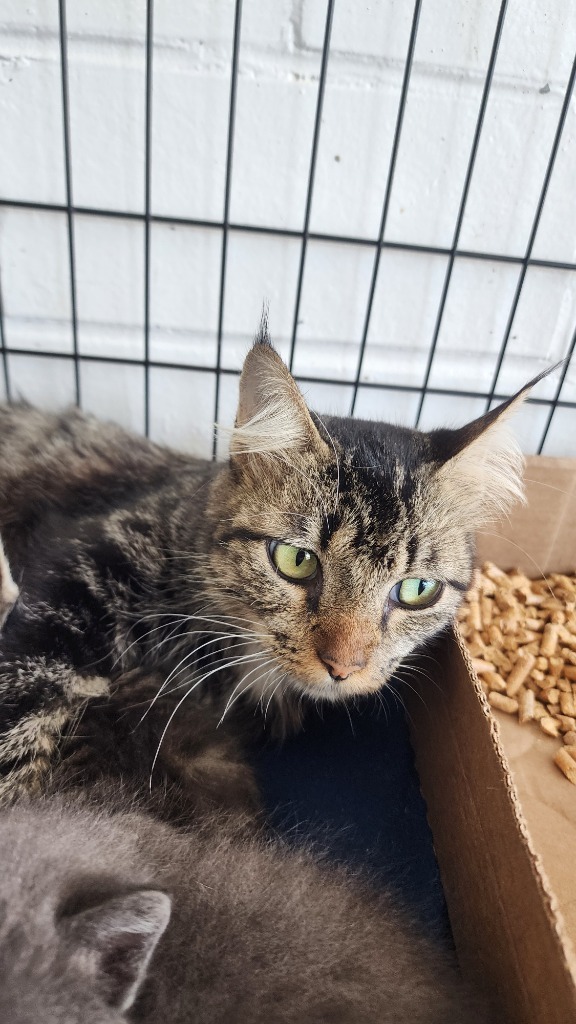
[
  {"x": 278, "y": 684},
  {"x": 223, "y": 665},
  {"x": 220, "y": 667},
  {"x": 197, "y": 683},
  {"x": 232, "y": 699}
]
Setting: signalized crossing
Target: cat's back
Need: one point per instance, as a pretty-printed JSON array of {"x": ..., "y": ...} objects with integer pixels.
[
  {"x": 77, "y": 443},
  {"x": 56, "y": 459}
]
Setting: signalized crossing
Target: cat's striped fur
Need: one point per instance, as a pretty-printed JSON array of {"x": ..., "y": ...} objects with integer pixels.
[{"x": 136, "y": 560}]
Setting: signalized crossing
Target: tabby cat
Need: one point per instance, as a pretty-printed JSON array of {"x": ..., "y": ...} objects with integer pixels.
[
  {"x": 306, "y": 567},
  {"x": 109, "y": 918}
]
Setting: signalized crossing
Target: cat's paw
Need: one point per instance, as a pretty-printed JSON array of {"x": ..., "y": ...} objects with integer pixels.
[{"x": 214, "y": 779}]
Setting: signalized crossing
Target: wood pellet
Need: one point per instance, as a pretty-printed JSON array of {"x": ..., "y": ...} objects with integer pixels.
[{"x": 521, "y": 635}]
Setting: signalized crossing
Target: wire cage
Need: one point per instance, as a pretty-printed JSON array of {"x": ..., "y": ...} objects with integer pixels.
[{"x": 397, "y": 181}]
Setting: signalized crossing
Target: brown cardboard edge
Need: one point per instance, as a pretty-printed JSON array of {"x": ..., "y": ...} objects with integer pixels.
[
  {"x": 507, "y": 926},
  {"x": 546, "y": 889},
  {"x": 548, "y": 803}
]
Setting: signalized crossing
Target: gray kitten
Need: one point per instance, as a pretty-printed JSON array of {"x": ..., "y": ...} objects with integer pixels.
[{"x": 108, "y": 918}]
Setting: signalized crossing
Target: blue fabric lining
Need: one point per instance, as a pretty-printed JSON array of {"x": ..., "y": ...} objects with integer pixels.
[{"x": 349, "y": 782}]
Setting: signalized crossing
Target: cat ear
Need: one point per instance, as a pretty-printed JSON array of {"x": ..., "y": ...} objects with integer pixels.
[
  {"x": 482, "y": 463},
  {"x": 114, "y": 941},
  {"x": 272, "y": 416}
]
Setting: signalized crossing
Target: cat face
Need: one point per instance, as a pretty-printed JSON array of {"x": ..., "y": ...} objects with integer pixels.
[{"x": 346, "y": 545}]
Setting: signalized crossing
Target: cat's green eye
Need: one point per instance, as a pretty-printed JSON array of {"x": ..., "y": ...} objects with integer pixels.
[
  {"x": 292, "y": 562},
  {"x": 416, "y": 593}
]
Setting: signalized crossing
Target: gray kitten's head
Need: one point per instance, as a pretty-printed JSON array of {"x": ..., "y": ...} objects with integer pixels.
[
  {"x": 75, "y": 940},
  {"x": 345, "y": 544}
]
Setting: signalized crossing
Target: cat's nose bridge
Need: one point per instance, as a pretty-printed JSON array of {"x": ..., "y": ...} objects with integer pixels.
[{"x": 344, "y": 645}]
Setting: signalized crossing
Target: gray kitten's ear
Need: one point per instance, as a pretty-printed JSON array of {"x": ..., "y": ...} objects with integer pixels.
[
  {"x": 272, "y": 416},
  {"x": 114, "y": 941},
  {"x": 481, "y": 463}
]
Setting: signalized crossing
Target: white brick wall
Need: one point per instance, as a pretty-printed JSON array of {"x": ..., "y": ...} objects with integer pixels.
[{"x": 281, "y": 46}]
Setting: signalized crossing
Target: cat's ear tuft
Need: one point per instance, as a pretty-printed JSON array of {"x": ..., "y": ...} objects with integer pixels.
[
  {"x": 113, "y": 942},
  {"x": 481, "y": 463},
  {"x": 272, "y": 417}
]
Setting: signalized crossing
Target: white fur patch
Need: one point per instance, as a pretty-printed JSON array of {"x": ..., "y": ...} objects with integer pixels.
[
  {"x": 272, "y": 416},
  {"x": 91, "y": 686},
  {"x": 34, "y": 734},
  {"x": 485, "y": 478},
  {"x": 8, "y": 590},
  {"x": 271, "y": 431}
]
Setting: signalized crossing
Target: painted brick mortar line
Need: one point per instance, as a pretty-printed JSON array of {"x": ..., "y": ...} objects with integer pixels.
[{"x": 352, "y": 68}]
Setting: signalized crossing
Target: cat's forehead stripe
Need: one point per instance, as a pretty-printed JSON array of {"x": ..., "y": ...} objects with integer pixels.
[{"x": 411, "y": 551}]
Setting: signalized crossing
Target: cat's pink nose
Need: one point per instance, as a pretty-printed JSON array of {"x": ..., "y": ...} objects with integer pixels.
[{"x": 338, "y": 670}]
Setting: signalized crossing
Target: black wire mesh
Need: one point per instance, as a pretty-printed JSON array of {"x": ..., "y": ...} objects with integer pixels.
[
  {"x": 4, "y": 350},
  {"x": 225, "y": 226},
  {"x": 147, "y": 199},
  {"x": 533, "y": 232},
  {"x": 463, "y": 200},
  {"x": 69, "y": 200},
  {"x": 387, "y": 194},
  {"x": 311, "y": 176},
  {"x": 226, "y": 221}
]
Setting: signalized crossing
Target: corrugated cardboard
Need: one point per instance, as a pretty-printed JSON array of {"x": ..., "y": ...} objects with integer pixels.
[
  {"x": 541, "y": 536},
  {"x": 502, "y": 815}
]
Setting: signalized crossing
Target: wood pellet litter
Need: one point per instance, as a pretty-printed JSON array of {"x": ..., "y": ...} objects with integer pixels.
[{"x": 521, "y": 636}]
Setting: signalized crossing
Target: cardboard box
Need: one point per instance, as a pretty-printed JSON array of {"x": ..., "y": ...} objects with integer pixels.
[{"x": 502, "y": 815}]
